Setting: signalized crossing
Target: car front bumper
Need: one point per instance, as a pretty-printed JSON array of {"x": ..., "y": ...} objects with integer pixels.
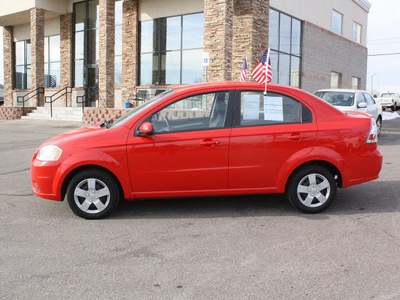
[{"x": 44, "y": 178}]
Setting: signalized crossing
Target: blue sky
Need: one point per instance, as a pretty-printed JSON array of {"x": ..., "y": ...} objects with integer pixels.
[{"x": 383, "y": 37}]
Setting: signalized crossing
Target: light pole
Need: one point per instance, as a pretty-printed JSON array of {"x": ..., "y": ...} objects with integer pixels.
[{"x": 372, "y": 82}]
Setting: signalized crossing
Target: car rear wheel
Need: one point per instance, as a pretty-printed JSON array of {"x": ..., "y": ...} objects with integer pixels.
[
  {"x": 93, "y": 194},
  {"x": 379, "y": 125},
  {"x": 311, "y": 189}
]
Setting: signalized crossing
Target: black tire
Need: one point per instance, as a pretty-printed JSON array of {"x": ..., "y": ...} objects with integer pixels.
[
  {"x": 315, "y": 197},
  {"x": 93, "y": 194},
  {"x": 379, "y": 125}
]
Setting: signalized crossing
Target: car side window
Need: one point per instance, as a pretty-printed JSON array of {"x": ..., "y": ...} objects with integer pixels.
[
  {"x": 360, "y": 98},
  {"x": 369, "y": 99},
  {"x": 198, "y": 112},
  {"x": 257, "y": 109}
]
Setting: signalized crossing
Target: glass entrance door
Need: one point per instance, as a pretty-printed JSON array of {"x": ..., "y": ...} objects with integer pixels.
[{"x": 92, "y": 84}]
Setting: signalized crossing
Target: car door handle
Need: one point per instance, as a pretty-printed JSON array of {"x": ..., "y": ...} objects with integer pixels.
[
  {"x": 208, "y": 143},
  {"x": 297, "y": 137}
]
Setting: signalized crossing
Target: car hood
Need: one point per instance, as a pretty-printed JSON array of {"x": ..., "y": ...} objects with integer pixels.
[{"x": 77, "y": 137}]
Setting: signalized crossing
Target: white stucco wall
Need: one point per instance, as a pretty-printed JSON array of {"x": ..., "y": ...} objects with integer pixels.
[
  {"x": 320, "y": 13},
  {"x": 151, "y": 9}
]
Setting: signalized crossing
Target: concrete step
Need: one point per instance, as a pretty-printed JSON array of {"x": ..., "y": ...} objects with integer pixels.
[{"x": 59, "y": 113}]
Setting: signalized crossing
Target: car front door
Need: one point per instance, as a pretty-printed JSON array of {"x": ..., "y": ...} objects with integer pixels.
[
  {"x": 188, "y": 151},
  {"x": 268, "y": 133}
]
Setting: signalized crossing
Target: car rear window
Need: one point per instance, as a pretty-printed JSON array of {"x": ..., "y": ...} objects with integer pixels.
[{"x": 337, "y": 98}]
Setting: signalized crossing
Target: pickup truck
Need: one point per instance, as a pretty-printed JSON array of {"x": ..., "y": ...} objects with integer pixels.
[{"x": 389, "y": 100}]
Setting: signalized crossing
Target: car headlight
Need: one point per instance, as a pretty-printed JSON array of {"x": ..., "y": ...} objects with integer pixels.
[{"x": 49, "y": 153}]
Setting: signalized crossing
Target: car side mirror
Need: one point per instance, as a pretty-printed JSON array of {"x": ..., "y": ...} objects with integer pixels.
[
  {"x": 146, "y": 129},
  {"x": 375, "y": 96},
  {"x": 362, "y": 105}
]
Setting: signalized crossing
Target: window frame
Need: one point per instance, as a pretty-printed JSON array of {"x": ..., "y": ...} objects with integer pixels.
[
  {"x": 337, "y": 13},
  {"x": 278, "y": 52},
  {"x": 339, "y": 81},
  {"x": 26, "y": 80},
  {"x": 161, "y": 54},
  {"x": 228, "y": 118},
  {"x": 118, "y": 56},
  {"x": 357, "y": 35},
  {"x": 49, "y": 62},
  {"x": 238, "y": 110}
]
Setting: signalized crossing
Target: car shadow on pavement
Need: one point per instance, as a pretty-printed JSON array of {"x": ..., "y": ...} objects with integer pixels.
[{"x": 369, "y": 198}]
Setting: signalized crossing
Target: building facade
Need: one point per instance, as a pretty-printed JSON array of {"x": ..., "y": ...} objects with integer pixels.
[{"x": 109, "y": 52}]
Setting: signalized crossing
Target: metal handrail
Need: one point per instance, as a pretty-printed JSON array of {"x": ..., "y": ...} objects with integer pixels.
[
  {"x": 64, "y": 91},
  {"x": 83, "y": 101},
  {"x": 84, "y": 98},
  {"x": 35, "y": 92}
]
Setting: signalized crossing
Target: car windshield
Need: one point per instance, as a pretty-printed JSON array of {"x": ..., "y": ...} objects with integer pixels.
[
  {"x": 336, "y": 98},
  {"x": 124, "y": 118},
  {"x": 388, "y": 95}
]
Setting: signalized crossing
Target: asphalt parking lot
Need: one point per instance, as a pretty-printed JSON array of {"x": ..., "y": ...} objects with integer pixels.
[{"x": 249, "y": 247}]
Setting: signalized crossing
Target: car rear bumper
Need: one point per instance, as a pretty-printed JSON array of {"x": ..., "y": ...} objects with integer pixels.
[{"x": 365, "y": 168}]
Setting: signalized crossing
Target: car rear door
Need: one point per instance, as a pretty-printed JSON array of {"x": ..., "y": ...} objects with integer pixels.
[
  {"x": 268, "y": 134},
  {"x": 372, "y": 107}
]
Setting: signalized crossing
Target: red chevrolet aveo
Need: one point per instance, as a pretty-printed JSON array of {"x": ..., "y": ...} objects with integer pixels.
[{"x": 211, "y": 139}]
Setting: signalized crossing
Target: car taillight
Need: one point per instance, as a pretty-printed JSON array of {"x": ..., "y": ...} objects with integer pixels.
[{"x": 373, "y": 133}]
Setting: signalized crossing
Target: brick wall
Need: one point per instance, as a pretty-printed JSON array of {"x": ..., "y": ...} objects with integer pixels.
[
  {"x": 106, "y": 53},
  {"x": 12, "y": 113},
  {"x": 99, "y": 115},
  {"x": 324, "y": 52},
  {"x": 250, "y": 34},
  {"x": 130, "y": 48},
  {"x": 66, "y": 53},
  {"x": 8, "y": 64},
  {"x": 37, "y": 53},
  {"x": 218, "y": 24}
]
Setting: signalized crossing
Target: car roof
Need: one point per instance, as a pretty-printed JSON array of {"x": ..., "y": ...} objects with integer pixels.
[
  {"x": 233, "y": 85},
  {"x": 340, "y": 90}
]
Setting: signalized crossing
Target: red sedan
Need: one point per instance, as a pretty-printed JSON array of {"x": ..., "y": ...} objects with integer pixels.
[{"x": 211, "y": 139}]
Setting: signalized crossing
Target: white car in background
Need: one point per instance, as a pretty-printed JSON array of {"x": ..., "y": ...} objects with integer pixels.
[
  {"x": 353, "y": 100},
  {"x": 389, "y": 100}
]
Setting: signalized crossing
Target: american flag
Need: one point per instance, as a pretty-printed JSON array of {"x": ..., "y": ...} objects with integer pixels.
[
  {"x": 260, "y": 69},
  {"x": 244, "y": 71}
]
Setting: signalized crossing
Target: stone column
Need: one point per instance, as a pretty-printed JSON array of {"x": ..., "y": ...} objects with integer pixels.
[
  {"x": 37, "y": 52},
  {"x": 66, "y": 52},
  {"x": 218, "y": 23},
  {"x": 250, "y": 34},
  {"x": 130, "y": 55},
  {"x": 8, "y": 65},
  {"x": 106, "y": 53}
]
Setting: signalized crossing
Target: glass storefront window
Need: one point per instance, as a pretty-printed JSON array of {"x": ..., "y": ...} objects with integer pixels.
[
  {"x": 285, "y": 44},
  {"x": 52, "y": 61},
  {"x": 174, "y": 33},
  {"x": 273, "y": 39},
  {"x": 86, "y": 43},
  {"x": 23, "y": 65},
  {"x": 284, "y": 33},
  {"x": 192, "y": 70},
  {"x": 193, "y": 26},
  {"x": 165, "y": 58}
]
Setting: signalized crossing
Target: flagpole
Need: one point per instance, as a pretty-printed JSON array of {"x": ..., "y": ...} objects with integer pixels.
[{"x": 266, "y": 73}]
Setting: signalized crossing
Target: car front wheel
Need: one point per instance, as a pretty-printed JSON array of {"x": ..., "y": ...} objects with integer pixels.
[
  {"x": 93, "y": 194},
  {"x": 311, "y": 189}
]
